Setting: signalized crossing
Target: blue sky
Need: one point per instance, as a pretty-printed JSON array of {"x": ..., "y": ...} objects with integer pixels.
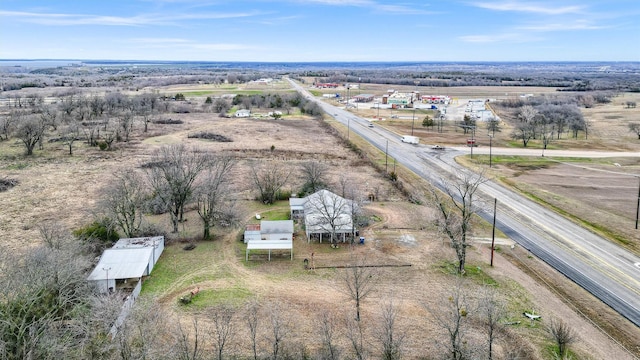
[{"x": 321, "y": 30}]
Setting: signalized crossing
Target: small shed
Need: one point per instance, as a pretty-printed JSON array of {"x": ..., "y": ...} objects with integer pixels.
[
  {"x": 276, "y": 230},
  {"x": 243, "y": 113},
  {"x": 296, "y": 206},
  {"x": 122, "y": 264}
]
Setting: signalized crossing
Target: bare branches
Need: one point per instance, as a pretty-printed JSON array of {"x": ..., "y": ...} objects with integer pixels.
[
  {"x": 391, "y": 338},
  {"x": 329, "y": 349},
  {"x": 359, "y": 281},
  {"x": 223, "y": 317},
  {"x": 451, "y": 317},
  {"x": 269, "y": 180},
  {"x": 456, "y": 211},
  {"x": 172, "y": 176},
  {"x": 314, "y": 174},
  {"x": 563, "y": 335},
  {"x": 123, "y": 202},
  {"x": 212, "y": 195}
]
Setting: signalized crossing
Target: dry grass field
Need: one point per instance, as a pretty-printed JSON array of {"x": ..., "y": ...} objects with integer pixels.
[{"x": 55, "y": 186}]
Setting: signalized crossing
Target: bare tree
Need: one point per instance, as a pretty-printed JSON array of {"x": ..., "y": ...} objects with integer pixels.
[
  {"x": 189, "y": 345},
  {"x": 109, "y": 133},
  {"x": 491, "y": 311},
  {"x": 144, "y": 333},
  {"x": 125, "y": 124},
  {"x": 223, "y": 317},
  {"x": 172, "y": 173},
  {"x": 359, "y": 281},
  {"x": 30, "y": 131},
  {"x": 280, "y": 329},
  {"x": 253, "y": 321},
  {"x": 327, "y": 327},
  {"x": 527, "y": 114},
  {"x": 8, "y": 123},
  {"x": 391, "y": 338},
  {"x": 123, "y": 201},
  {"x": 563, "y": 335},
  {"x": 314, "y": 174},
  {"x": 212, "y": 195},
  {"x": 523, "y": 132},
  {"x": 69, "y": 134},
  {"x": 635, "y": 128},
  {"x": 269, "y": 180},
  {"x": 355, "y": 333},
  {"x": 54, "y": 234},
  {"x": 456, "y": 210},
  {"x": 451, "y": 316}
]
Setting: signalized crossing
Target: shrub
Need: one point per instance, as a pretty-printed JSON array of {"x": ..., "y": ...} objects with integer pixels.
[
  {"x": 6, "y": 184},
  {"x": 209, "y": 136},
  {"x": 168, "y": 121},
  {"x": 100, "y": 230},
  {"x": 103, "y": 145}
]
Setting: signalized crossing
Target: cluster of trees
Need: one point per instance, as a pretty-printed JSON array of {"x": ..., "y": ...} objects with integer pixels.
[
  {"x": 124, "y": 76},
  {"x": 444, "y": 75},
  {"x": 548, "y": 122},
  {"x": 286, "y": 101},
  {"x": 98, "y": 120},
  {"x": 175, "y": 177}
]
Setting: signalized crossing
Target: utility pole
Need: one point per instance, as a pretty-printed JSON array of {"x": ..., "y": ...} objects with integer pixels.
[
  {"x": 106, "y": 269},
  {"x": 638, "y": 208},
  {"x": 413, "y": 120},
  {"x": 386, "y": 158}
]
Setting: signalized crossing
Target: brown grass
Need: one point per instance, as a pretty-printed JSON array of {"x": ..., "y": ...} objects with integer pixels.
[{"x": 53, "y": 185}]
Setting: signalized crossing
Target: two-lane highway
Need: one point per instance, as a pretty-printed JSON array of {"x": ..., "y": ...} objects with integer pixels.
[{"x": 606, "y": 270}]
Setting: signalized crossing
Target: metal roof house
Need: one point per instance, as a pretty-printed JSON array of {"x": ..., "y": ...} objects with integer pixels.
[
  {"x": 126, "y": 262},
  {"x": 269, "y": 235},
  {"x": 327, "y": 215}
]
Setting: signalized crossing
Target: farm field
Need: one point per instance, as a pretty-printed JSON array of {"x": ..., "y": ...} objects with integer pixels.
[{"x": 54, "y": 186}]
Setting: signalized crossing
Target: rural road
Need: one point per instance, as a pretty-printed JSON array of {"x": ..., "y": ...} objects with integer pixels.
[{"x": 606, "y": 270}]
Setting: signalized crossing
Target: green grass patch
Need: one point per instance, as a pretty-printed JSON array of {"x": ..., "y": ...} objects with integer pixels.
[
  {"x": 275, "y": 214},
  {"x": 17, "y": 166},
  {"x": 211, "y": 297},
  {"x": 471, "y": 271},
  {"x": 176, "y": 266},
  {"x": 197, "y": 92}
]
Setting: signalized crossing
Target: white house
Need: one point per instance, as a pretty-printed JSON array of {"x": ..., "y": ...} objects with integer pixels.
[
  {"x": 243, "y": 113},
  {"x": 325, "y": 215}
]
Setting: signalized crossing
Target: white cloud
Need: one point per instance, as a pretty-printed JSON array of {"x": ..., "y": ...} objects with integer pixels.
[
  {"x": 530, "y": 7},
  {"x": 568, "y": 26},
  {"x": 83, "y": 19},
  {"x": 494, "y": 38}
]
